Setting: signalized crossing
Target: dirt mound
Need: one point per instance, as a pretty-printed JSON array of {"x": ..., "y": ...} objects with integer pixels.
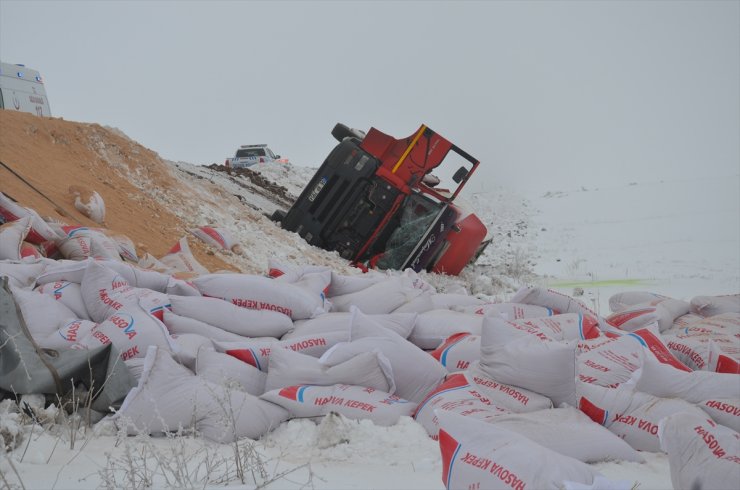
[{"x": 51, "y": 155}]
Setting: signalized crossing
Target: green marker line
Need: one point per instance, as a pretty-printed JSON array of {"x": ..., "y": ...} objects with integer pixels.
[{"x": 608, "y": 282}]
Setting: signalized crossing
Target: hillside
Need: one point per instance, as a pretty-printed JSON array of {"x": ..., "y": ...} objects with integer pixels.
[
  {"x": 152, "y": 201},
  {"x": 53, "y": 154}
]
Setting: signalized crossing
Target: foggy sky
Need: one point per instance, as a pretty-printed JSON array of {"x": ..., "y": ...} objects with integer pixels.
[{"x": 548, "y": 95}]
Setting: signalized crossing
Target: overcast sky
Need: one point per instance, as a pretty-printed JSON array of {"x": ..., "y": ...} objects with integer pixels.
[{"x": 546, "y": 94}]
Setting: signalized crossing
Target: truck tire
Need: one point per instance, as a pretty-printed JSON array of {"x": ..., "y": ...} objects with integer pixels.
[
  {"x": 278, "y": 215},
  {"x": 341, "y": 131}
]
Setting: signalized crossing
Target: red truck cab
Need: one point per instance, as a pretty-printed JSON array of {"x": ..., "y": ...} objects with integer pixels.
[{"x": 375, "y": 201}]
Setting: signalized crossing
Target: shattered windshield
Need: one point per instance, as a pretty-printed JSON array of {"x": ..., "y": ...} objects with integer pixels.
[{"x": 417, "y": 215}]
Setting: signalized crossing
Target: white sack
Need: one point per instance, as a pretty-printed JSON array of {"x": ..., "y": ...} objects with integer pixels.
[
  {"x": 415, "y": 372},
  {"x": 505, "y": 331},
  {"x": 292, "y": 273},
  {"x": 225, "y": 370},
  {"x": 694, "y": 386},
  {"x": 261, "y": 293},
  {"x": 707, "y": 306},
  {"x": 74, "y": 271},
  {"x": 622, "y": 301},
  {"x": 415, "y": 280},
  {"x": 63, "y": 270},
  {"x": 697, "y": 353},
  {"x": 136, "y": 367},
  {"x": 662, "y": 311},
  {"x": 416, "y": 302},
  {"x": 140, "y": 278},
  {"x": 180, "y": 287},
  {"x": 12, "y": 235},
  {"x": 458, "y": 352},
  {"x": 170, "y": 397},
  {"x": 105, "y": 292},
  {"x": 77, "y": 247},
  {"x": 164, "y": 398},
  {"x": 41, "y": 312},
  {"x": 288, "y": 368},
  {"x": 82, "y": 242},
  {"x": 701, "y": 454},
  {"x": 188, "y": 346},
  {"x": 479, "y": 455},
  {"x": 472, "y": 394},
  {"x": 723, "y": 324},
  {"x": 684, "y": 321},
  {"x": 346, "y": 284},
  {"x": 630, "y": 414},
  {"x": 69, "y": 294},
  {"x": 22, "y": 274},
  {"x": 89, "y": 203},
  {"x": 179, "y": 325},
  {"x": 542, "y": 366},
  {"x": 126, "y": 246},
  {"x": 554, "y": 300},
  {"x": 181, "y": 259},
  {"x": 446, "y": 301},
  {"x": 569, "y": 432},
  {"x": 724, "y": 411},
  {"x": 29, "y": 251},
  {"x": 149, "y": 262},
  {"x": 257, "y": 352},
  {"x": 724, "y": 357},
  {"x": 354, "y": 402},
  {"x": 565, "y": 326},
  {"x": 379, "y": 298},
  {"x": 433, "y": 327},
  {"x": 728, "y": 323},
  {"x": 611, "y": 361},
  {"x": 508, "y": 311},
  {"x": 311, "y": 278},
  {"x": 40, "y": 230},
  {"x": 73, "y": 334},
  {"x": 220, "y": 238},
  {"x": 227, "y": 316},
  {"x": 401, "y": 323},
  {"x": 133, "y": 329},
  {"x": 463, "y": 403}
]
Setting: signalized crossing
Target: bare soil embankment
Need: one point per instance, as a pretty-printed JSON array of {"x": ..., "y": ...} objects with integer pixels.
[{"x": 53, "y": 154}]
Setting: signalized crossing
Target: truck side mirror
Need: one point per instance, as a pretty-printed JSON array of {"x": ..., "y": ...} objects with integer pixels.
[{"x": 460, "y": 175}]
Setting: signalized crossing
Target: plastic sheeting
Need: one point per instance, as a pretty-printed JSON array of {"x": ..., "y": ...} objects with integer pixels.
[{"x": 25, "y": 368}]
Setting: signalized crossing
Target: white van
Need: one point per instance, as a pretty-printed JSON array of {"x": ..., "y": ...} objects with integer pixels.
[{"x": 22, "y": 89}]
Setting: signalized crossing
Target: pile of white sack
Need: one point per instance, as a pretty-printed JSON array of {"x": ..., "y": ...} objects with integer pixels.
[{"x": 541, "y": 378}]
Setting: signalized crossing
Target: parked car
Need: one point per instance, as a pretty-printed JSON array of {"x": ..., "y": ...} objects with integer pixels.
[{"x": 248, "y": 155}]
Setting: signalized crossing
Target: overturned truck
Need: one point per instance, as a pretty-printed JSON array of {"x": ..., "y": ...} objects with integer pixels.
[{"x": 375, "y": 201}]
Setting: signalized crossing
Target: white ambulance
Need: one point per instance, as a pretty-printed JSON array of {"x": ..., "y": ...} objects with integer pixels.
[{"x": 22, "y": 89}]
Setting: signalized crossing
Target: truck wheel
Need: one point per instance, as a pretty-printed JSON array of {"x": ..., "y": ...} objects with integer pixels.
[
  {"x": 278, "y": 215},
  {"x": 341, "y": 131}
]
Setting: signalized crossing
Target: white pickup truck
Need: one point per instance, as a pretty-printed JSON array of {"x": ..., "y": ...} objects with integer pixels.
[{"x": 248, "y": 155}]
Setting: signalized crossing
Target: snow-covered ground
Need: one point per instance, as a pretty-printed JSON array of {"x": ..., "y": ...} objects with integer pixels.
[
  {"x": 674, "y": 237},
  {"x": 679, "y": 238}
]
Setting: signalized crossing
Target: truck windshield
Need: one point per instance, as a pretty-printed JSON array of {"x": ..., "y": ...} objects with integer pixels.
[
  {"x": 417, "y": 215},
  {"x": 250, "y": 152}
]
